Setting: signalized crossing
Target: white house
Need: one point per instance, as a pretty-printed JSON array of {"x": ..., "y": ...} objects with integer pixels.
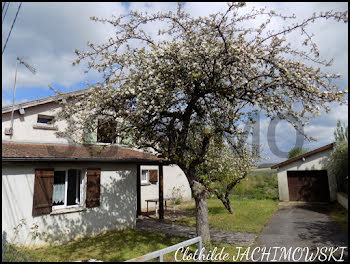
[
  {"x": 65, "y": 190},
  {"x": 305, "y": 177}
]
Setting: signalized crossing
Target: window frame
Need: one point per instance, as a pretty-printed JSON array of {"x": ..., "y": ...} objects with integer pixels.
[
  {"x": 81, "y": 191},
  {"x": 46, "y": 126},
  {"x": 147, "y": 176},
  {"x": 50, "y": 123}
]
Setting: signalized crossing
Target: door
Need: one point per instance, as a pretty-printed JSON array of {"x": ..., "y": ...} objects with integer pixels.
[{"x": 310, "y": 186}]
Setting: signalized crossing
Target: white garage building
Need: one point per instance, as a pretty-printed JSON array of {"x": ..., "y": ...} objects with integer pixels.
[{"x": 305, "y": 177}]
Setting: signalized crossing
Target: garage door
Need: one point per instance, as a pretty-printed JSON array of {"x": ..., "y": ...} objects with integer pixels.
[{"x": 311, "y": 186}]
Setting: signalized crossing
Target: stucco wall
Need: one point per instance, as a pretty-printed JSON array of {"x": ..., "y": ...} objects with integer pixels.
[
  {"x": 117, "y": 204},
  {"x": 23, "y": 130},
  {"x": 314, "y": 162},
  {"x": 174, "y": 177},
  {"x": 343, "y": 200}
]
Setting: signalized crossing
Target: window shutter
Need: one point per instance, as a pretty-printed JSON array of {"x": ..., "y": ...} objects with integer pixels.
[
  {"x": 43, "y": 188},
  {"x": 153, "y": 176},
  {"x": 93, "y": 188}
]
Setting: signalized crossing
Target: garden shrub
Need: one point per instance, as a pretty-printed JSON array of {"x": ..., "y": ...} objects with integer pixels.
[
  {"x": 338, "y": 165},
  {"x": 261, "y": 185}
]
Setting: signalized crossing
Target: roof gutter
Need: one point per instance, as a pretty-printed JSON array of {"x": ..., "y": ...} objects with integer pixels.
[
  {"x": 44, "y": 100},
  {"x": 138, "y": 161}
]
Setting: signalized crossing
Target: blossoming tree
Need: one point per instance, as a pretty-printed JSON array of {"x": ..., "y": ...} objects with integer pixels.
[
  {"x": 228, "y": 161},
  {"x": 199, "y": 78}
]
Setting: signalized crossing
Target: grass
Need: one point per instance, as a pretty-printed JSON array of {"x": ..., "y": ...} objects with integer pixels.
[
  {"x": 231, "y": 250},
  {"x": 339, "y": 215},
  {"x": 254, "y": 201},
  {"x": 112, "y": 246},
  {"x": 115, "y": 246},
  {"x": 344, "y": 194},
  {"x": 250, "y": 215}
]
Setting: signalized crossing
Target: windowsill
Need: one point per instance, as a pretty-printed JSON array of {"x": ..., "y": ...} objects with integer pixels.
[
  {"x": 45, "y": 127},
  {"x": 67, "y": 210},
  {"x": 145, "y": 183}
]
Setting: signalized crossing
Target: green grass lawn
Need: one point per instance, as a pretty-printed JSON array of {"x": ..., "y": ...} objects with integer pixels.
[
  {"x": 250, "y": 215},
  {"x": 254, "y": 200},
  {"x": 115, "y": 246},
  {"x": 112, "y": 246},
  {"x": 338, "y": 214}
]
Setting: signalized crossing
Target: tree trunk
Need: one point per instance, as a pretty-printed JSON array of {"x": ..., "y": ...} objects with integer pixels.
[
  {"x": 227, "y": 204},
  {"x": 225, "y": 200},
  {"x": 202, "y": 221}
]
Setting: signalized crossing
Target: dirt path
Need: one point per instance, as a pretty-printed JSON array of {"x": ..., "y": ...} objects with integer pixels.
[{"x": 153, "y": 225}]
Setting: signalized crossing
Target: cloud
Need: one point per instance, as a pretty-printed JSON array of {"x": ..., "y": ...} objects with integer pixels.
[
  {"x": 197, "y": 9},
  {"x": 45, "y": 36},
  {"x": 6, "y": 102},
  {"x": 285, "y": 137}
]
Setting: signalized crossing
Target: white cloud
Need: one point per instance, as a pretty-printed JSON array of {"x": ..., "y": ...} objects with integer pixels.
[
  {"x": 46, "y": 34},
  {"x": 285, "y": 137},
  {"x": 197, "y": 9},
  {"x": 6, "y": 102}
]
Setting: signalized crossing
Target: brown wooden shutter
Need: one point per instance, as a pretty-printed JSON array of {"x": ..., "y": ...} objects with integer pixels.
[
  {"x": 93, "y": 188},
  {"x": 153, "y": 176},
  {"x": 43, "y": 188}
]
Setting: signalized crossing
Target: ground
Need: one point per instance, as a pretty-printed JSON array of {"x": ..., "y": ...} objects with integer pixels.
[
  {"x": 250, "y": 215},
  {"x": 152, "y": 225},
  {"x": 127, "y": 244},
  {"x": 255, "y": 212},
  {"x": 306, "y": 225}
]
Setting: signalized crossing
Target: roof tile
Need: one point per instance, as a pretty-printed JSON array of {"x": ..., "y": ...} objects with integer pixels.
[{"x": 32, "y": 151}]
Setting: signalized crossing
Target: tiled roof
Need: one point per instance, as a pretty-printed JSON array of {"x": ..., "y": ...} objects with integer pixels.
[
  {"x": 12, "y": 151},
  {"x": 329, "y": 146}
]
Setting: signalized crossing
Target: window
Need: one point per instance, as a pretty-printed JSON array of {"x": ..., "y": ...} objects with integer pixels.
[
  {"x": 144, "y": 176},
  {"x": 67, "y": 188},
  {"x": 45, "y": 122},
  {"x": 106, "y": 131},
  {"x": 42, "y": 119},
  {"x": 149, "y": 176},
  {"x": 64, "y": 189}
]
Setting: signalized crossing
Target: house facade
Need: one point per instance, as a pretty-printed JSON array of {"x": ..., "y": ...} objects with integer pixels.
[
  {"x": 54, "y": 191},
  {"x": 305, "y": 177},
  {"x": 175, "y": 184}
]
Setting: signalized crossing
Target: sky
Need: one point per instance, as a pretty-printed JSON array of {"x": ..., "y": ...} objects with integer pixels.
[{"x": 45, "y": 36}]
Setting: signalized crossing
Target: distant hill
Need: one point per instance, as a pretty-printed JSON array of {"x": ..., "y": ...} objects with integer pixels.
[{"x": 265, "y": 165}]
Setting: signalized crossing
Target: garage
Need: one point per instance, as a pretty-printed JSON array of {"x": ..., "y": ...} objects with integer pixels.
[
  {"x": 305, "y": 178},
  {"x": 309, "y": 186}
]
